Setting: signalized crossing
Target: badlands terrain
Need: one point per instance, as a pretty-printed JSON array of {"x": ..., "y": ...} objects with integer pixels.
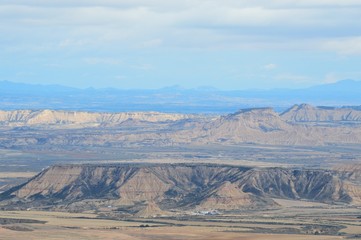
[
  {"x": 183, "y": 201},
  {"x": 301, "y": 125},
  {"x": 252, "y": 174}
]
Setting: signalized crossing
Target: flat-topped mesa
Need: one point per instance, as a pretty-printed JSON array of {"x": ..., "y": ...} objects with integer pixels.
[
  {"x": 143, "y": 190},
  {"x": 257, "y": 125},
  {"x": 48, "y": 117},
  {"x": 300, "y": 125},
  {"x": 253, "y": 118},
  {"x": 258, "y": 111},
  {"x": 308, "y": 113},
  {"x": 265, "y": 126},
  {"x": 261, "y": 116}
]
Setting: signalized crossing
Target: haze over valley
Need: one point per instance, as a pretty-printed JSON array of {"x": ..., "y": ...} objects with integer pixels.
[
  {"x": 166, "y": 166},
  {"x": 174, "y": 99},
  {"x": 170, "y": 120}
]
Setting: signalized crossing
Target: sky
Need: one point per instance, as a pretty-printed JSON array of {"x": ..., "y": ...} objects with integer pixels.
[{"x": 148, "y": 44}]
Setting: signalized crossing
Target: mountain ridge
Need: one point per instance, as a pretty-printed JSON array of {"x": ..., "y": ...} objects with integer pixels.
[
  {"x": 38, "y": 117},
  {"x": 300, "y": 125},
  {"x": 151, "y": 189},
  {"x": 308, "y": 113},
  {"x": 28, "y": 96}
]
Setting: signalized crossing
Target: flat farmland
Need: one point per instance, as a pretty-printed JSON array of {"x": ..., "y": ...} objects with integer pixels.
[
  {"x": 306, "y": 220},
  {"x": 88, "y": 226}
]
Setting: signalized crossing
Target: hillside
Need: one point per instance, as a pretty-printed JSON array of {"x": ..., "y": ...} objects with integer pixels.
[
  {"x": 300, "y": 125},
  {"x": 146, "y": 190},
  {"x": 52, "y": 117},
  {"x": 308, "y": 113},
  {"x": 265, "y": 126}
]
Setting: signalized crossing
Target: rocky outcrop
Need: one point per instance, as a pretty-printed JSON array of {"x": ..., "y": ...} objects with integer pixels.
[
  {"x": 146, "y": 190},
  {"x": 264, "y": 126},
  {"x": 308, "y": 113},
  {"x": 249, "y": 125},
  {"x": 264, "y": 118},
  {"x": 351, "y": 172},
  {"x": 60, "y": 129},
  {"x": 52, "y": 117}
]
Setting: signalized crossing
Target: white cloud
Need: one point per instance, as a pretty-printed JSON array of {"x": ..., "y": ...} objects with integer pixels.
[
  {"x": 292, "y": 78},
  {"x": 151, "y": 43},
  {"x": 135, "y": 36},
  {"x": 181, "y": 3},
  {"x": 258, "y": 24},
  {"x": 120, "y": 77},
  {"x": 143, "y": 66},
  {"x": 103, "y": 61},
  {"x": 73, "y": 43},
  {"x": 344, "y": 46},
  {"x": 270, "y": 66},
  {"x": 331, "y": 78}
]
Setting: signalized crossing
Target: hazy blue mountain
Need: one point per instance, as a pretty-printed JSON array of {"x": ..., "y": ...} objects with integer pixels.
[
  {"x": 173, "y": 99},
  {"x": 13, "y": 89}
]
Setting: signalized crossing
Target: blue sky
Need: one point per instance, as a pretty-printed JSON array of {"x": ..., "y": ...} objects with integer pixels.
[{"x": 228, "y": 44}]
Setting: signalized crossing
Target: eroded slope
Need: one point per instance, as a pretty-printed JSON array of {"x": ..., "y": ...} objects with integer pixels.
[{"x": 165, "y": 188}]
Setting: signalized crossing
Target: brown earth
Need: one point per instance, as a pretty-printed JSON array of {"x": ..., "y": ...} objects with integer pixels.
[
  {"x": 159, "y": 189},
  {"x": 308, "y": 113},
  {"x": 59, "y": 129}
]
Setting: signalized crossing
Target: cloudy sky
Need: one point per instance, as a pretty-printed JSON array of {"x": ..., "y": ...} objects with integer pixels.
[{"x": 227, "y": 44}]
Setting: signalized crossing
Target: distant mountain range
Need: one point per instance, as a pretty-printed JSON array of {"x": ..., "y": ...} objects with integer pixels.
[{"x": 172, "y": 99}]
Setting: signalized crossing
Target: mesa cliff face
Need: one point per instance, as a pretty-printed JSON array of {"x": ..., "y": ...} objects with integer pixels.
[
  {"x": 51, "y": 117},
  {"x": 270, "y": 119},
  {"x": 145, "y": 190},
  {"x": 264, "y": 126},
  {"x": 249, "y": 125},
  {"x": 308, "y": 113},
  {"x": 300, "y": 125}
]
